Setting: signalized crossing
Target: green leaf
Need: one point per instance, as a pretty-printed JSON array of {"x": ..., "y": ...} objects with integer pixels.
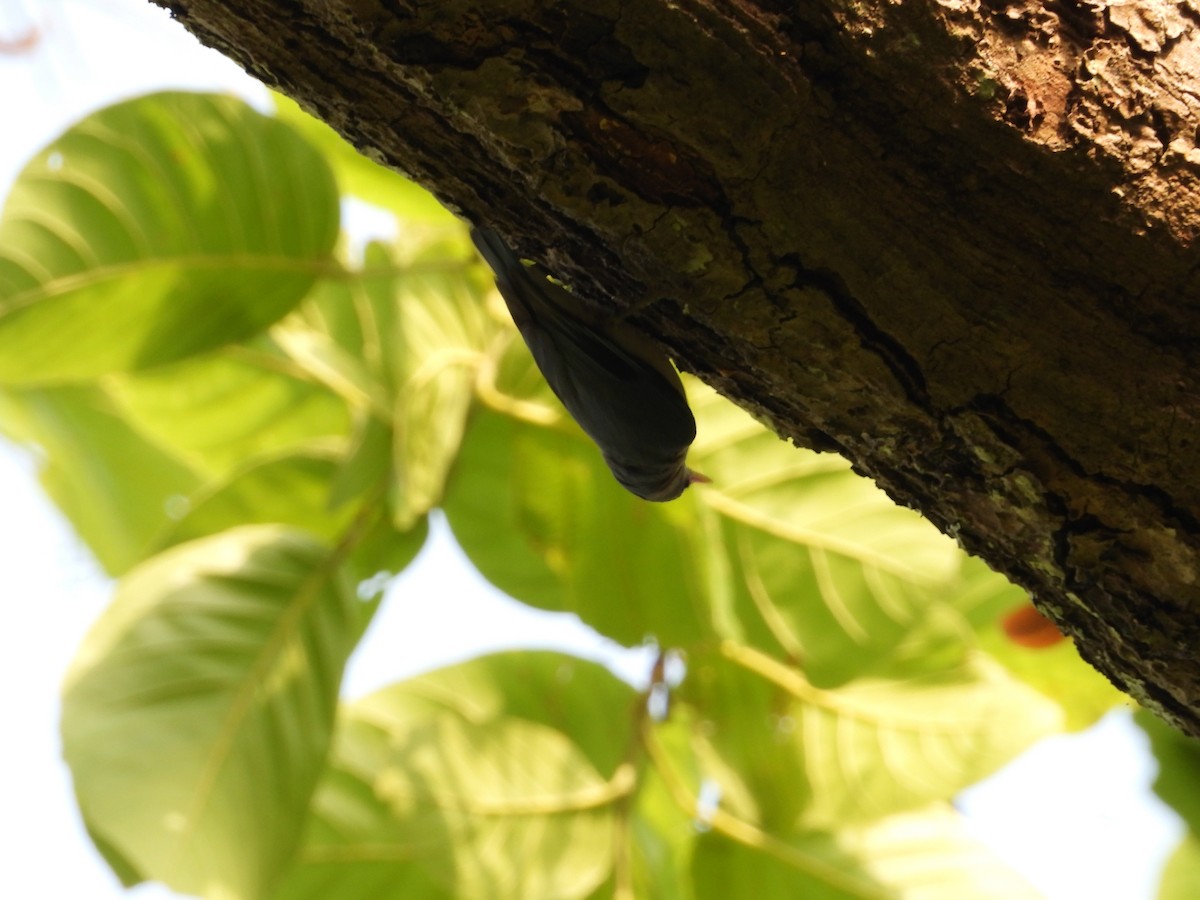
[
  {"x": 220, "y": 410},
  {"x": 410, "y": 354},
  {"x": 156, "y": 229},
  {"x": 787, "y": 551},
  {"x": 291, "y": 489},
  {"x": 497, "y": 778},
  {"x": 868, "y": 749},
  {"x": 296, "y": 489},
  {"x": 1059, "y": 673},
  {"x": 541, "y": 517},
  {"x": 662, "y": 835},
  {"x": 926, "y": 855},
  {"x": 383, "y": 552},
  {"x": 445, "y": 334},
  {"x": 367, "y": 463},
  {"x": 358, "y": 314},
  {"x": 1181, "y": 876},
  {"x": 348, "y": 334},
  {"x": 117, "y": 488},
  {"x": 362, "y": 177},
  {"x": 822, "y": 566},
  {"x": 121, "y": 867},
  {"x": 198, "y": 712},
  {"x": 1178, "y": 756},
  {"x": 327, "y": 362}
]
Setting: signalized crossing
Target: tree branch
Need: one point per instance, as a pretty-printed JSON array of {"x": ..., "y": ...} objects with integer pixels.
[{"x": 951, "y": 241}]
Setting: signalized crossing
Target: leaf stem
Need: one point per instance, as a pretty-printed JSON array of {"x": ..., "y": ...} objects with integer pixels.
[{"x": 750, "y": 836}]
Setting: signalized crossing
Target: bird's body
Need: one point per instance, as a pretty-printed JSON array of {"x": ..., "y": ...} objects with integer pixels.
[{"x": 615, "y": 382}]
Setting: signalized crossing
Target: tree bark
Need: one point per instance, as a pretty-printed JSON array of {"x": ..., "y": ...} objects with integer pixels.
[{"x": 953, "y": 241}]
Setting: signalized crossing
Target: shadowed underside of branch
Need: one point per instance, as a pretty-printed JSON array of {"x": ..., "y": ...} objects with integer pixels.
[{"x": 952, "y": 241}]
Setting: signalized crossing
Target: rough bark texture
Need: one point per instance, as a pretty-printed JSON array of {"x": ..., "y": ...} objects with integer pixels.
[{"x": 952, "y": 241}]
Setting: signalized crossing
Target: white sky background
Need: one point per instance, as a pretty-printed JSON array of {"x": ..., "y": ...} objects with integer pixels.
[{"x": 1074, "y": 815}]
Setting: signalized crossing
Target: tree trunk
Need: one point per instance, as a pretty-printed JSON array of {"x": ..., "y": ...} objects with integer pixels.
[{"x": 951, "y": 240}]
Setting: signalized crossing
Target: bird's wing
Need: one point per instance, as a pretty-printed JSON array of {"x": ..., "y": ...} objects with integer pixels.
[{"x": 604, "y": 375}]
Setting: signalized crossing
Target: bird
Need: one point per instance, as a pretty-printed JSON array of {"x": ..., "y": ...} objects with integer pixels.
[{"x": 615, "y": 382}]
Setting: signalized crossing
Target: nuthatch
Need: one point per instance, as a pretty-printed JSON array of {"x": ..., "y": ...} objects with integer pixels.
[{"x": 615, "y": 382}]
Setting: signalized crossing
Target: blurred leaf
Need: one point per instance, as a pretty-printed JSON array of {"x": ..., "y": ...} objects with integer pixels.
[
  {"x": 400, "y": 341},
  {"x": 295, "y": 489},
  {"x": 222, "y": 409},
  {"x": 359, "y": 175},
  {"x": 332, "y": 308},
  {"x": 1181, "y": 875},
  {"x": 925, "y": 855},
  {"x": 663, "y": 836},
  {"x": 541, "y": 517},
  {"x": 368, "y": 462},
  {"x": 197, "y": 714},
  {"x": 121, "y": 867},
  {"x": 328, "y": 363},
  {"x": 410, "y": 354},
  {"x": 114, "y": 485},
  {"x": 823, "y": 566},
  {"x": 290, "y": 489},
  {"x": 787, "y": 551},
  {"x": 153, "y": 230},
  {"x": 359, "y": 314},
  {"x": 496, "y": 778},
  {"x": 1178, "y": 756},
  {"x": 871, "y": 748},
  {"x": 1057, "y": 672},
  {"x": 383, "y": 552},
  {"x": 445, "y": 334},
  {"x": 515, "y": 385}
]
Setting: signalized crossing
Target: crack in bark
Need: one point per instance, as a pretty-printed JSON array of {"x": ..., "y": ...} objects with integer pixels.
[
  {"x": 888, "y": 349},
  {"x": 1002, "y": 414}
]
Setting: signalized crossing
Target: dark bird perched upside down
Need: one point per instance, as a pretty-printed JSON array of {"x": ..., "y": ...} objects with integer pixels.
[{"x": 614, "y": 381}]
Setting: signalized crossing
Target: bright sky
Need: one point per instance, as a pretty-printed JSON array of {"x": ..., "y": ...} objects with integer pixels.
[{"x": 1074, "y": 815}]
